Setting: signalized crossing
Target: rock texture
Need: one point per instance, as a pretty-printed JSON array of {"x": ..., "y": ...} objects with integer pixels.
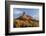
[{"x": 25, "y": 21}]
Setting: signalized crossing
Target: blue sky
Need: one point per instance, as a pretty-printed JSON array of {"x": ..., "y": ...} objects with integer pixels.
[{"x": 31, "y": 12}]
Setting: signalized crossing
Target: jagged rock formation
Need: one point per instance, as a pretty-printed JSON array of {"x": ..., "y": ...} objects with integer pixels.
[{"x": 24, "y": 21}]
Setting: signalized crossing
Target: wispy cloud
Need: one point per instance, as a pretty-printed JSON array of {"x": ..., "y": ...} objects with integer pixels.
[{"x": 31, "y": 12}]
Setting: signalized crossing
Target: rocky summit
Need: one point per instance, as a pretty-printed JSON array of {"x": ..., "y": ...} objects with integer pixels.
[{"x": 25, "y": 21}]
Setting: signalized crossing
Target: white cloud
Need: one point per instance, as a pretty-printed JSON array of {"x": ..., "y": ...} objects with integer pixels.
[
  {"x": 36, "y": 17},
  {"x": 17, "y": 13}
]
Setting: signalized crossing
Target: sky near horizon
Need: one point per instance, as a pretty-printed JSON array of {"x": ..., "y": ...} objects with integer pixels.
[{"x": 31, "y": 12}]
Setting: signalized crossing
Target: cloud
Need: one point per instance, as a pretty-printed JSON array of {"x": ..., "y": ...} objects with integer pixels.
[
  {"x": 31, "y": 12},
  {"x": 36, "y": 17},
  {"x": 17, "y": 13}
]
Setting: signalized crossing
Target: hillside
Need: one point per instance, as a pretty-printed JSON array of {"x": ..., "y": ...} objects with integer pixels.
[{"x": 25, "y": 21}]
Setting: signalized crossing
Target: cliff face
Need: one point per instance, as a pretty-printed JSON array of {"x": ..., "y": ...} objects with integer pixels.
[{"x": 24, "y": 21}]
